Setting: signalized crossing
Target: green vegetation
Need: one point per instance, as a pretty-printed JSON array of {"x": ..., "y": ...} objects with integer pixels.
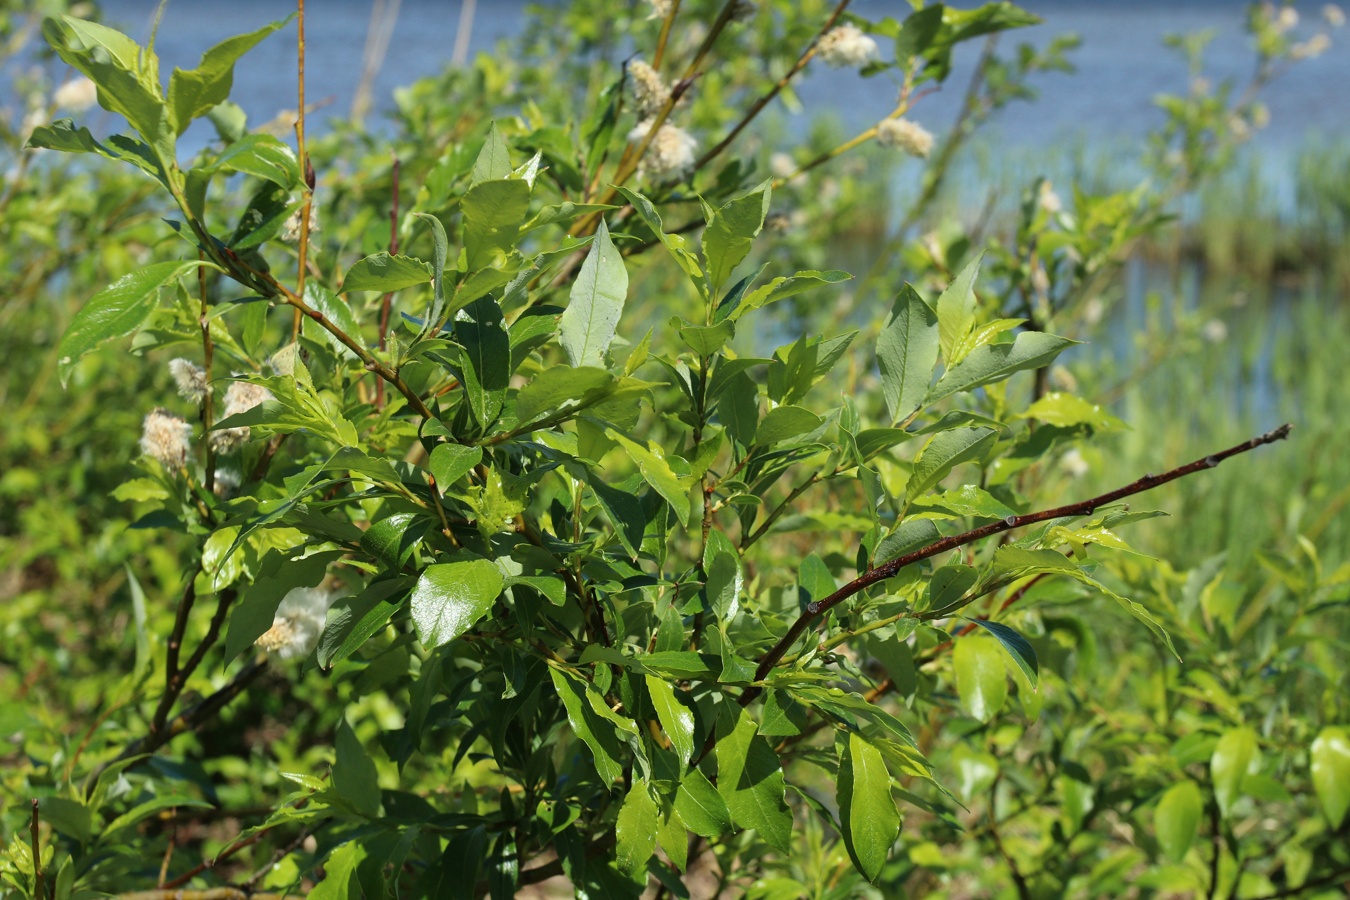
[{"x": 534, "y": 495}]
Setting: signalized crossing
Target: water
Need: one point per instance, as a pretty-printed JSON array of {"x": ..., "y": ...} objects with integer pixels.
[{"x": 1122, "y": 65}]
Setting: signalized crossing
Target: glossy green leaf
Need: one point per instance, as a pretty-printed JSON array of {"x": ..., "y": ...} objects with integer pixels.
[
  {"x": 1018, "y": 647},
  {"x": 392, "y": 539},
  {"x": 868, "y": 817},
  {"x": 783, "y": 287},
  {"x": 635, "y": 829},
  {"x": 738, "y": 409},
  {"x": 651, "y": 462},
  {"x": 493, "y": 213},
  {"x": 948, "y": 587},
  {"x": 705, "y": 340},
  {"x": 354, "y": 775},
  {"x": 595, "y": 303},
  {"x": 1177, "y": 818},
  {"x": 336, "y": 310},
  {"x": 451, "y": 597},
  {"x": 728, "y": 237},
  {"x": 994, "y": 362},
  {"x": 70, "y": 817},
  {"x": 980, "y": 679},
  {"x": 700, "y": 805},
  {"x": 263, "y": 156},
  {"x": 1236, "y": 754},
  {"x": 624, "y": 512},
  {"x": 117, "y": 310},
  {"x": 353, "y": 620},
  {"x": 385, "y": 273},
  {"x": 481, "y": 330},
  {"x": 907, "y": 353},
  {"x": 956, "y": 313},
  {"x": 785, "y": 423},
  {"x": 451, "y": 462},
  {"x": 676, "y": 718},
  {"x": 943, "y": 452},
  {"x": 194, "y": 92},
  {"x": 750, "y": 779},
  {"x": 1331, "y": 772}
]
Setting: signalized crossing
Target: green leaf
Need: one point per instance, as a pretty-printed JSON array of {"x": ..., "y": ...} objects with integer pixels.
[
  {"x": 700, "y": 806},
  {"x": 260, "y": 155},
  {"x": 278, "y": 575},
  {"x": 355, "y": 778},
  {"x": 336, "y": 311},
  {"x": 1018, "y": 647},
  {"x": 559, "y": 388},
  {"x": 722, "y": 565},
  {"x": 441, "y": 247},
  {"x": 783, "y": 287},
  {"x": 143, "y": 811},
  {"x": 907, "y": 353},
  {"x": 1176, "y": 819},
  {"x": 117, "y": 310},
  {"x": 912, "y": 535},
  {"x": 750, "y": 779},
  {"x": 384, "y": 273},
  {"x": 70, "y": 817},
  {"x": 62, "y": 135},
  {"x": 451, "y": 597},
  {"x": 1235, "y": 755},
  {"x": 635, "y": 829},
  {"x": 352, "y": 620},
  {"x": 1331, "y": 772},
  {"x": 738, "y": 409},
  {"x": 705, "y": 340},
  {"x": 127, "y": 77},
  {"x": 868, "y": 818},
  {"x": 595, "y": 303},
  {"x": 675, "y": 244},
  {"x": 676, "y": 718},
  {"x": 194, "y": 92},
  {"x": 785, "y": 423},
  {"x": 392, "y": 539},
  {"x": 948, "y": 586},
  {"x": 451, "y": 462},
  {"x": 956, "y": 313},
  {"x": 651, "y": 462},
  {"x": 1067, "y": 410},
  {"x": 295, "y": 406},
  {"x": 494, "y": 160},
  {"x": 486, "y": 373},
  {"x": 980, "y": 679},
  {"x": 730, "y": 234},
  {"x": 624, "y": 512},
  {"x": 993, "y": 362},
  {"x": 969, "y": 500},
  {"x": 596, "y": 731},
  {"x": 338, "y": 870},
  {"x": 943, "y": 452},
  {"x": 493, "y": 213}
]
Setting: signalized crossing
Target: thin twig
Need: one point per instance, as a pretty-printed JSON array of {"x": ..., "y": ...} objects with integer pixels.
[
  {"x": 304, "y": 165},
  {"x": 39, "y": 888},
  {"x": 1084, "y": 507}
]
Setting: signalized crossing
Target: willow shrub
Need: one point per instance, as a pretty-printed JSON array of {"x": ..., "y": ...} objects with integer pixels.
[{"x": 554, "y": 569}]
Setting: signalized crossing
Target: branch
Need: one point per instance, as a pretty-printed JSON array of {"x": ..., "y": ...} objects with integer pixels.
[{"x": 1084, "y": 507}]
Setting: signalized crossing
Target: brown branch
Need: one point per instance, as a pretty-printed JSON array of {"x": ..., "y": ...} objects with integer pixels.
[
  {"x": 1084, "y": 507},
  {"x": 758, "y": 106},
  {"x": 199, "y": 712}
]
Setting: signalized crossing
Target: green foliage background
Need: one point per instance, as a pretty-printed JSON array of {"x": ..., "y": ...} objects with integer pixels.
[{"x": 494, "y": 741}]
